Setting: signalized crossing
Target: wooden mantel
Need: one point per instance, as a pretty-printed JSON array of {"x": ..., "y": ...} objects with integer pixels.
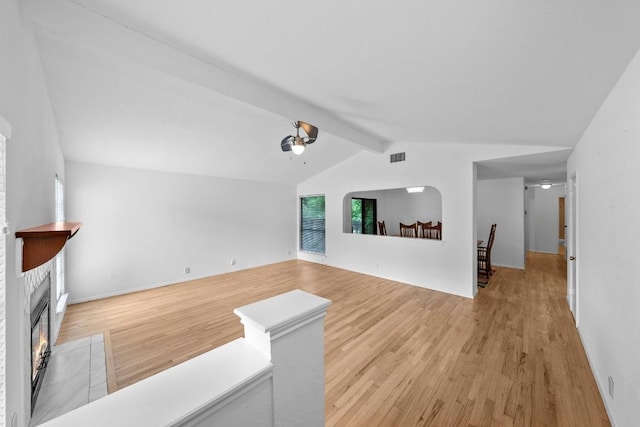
[{"x": 40, "y": 244}]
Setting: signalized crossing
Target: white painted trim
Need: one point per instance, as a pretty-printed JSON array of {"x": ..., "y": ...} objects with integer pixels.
[
  {"x": 278, "y": 315},
  {"x": 181, "y": 395},
  {"x": 602, "y": 388},
  {"x": 508, "y": 266},
  {"x": 5, "y": 132},
  {"x": 5, "y": 128},
  {"x": 543, "y": 252},
  {"x": 165, "y": 283},
  {"x": 18, "y": 258}
]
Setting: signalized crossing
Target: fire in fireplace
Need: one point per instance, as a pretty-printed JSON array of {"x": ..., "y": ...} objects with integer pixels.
[{"x": 40, "y": 332}]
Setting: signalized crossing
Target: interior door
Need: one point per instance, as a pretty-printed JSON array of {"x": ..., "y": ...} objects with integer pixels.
[{"x": 572, "y": 259}]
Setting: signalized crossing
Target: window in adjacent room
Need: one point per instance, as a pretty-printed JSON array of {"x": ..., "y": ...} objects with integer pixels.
[
  {"x": 59, "y": 215},
  {"x": 312, "y": 229}
]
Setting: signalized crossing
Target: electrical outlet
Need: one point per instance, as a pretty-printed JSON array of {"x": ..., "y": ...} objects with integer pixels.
[
  {"x": 233, "y": 261},
  {"x": 611, "y": 387},
  {"x": 289, "y": 252},
  {"x": 187, "y": 270}
]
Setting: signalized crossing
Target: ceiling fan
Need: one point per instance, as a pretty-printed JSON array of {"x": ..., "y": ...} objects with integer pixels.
[{"x": 297, "y": 143}]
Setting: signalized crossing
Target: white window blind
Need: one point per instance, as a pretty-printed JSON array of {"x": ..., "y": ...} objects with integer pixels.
[{"x": 312, "y": 224}]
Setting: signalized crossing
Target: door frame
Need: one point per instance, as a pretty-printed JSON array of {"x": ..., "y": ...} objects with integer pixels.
[
  {"x": 5, "y": 135},
  {"x": 572, "y": 249}
]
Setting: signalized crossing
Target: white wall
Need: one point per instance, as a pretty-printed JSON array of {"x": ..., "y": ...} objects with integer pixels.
[
  {"x": 605, "y": 161},
  {"x": 411, "y": 207},
  {"x": 529, "y": 221},
  {"x": 448, "y": 265},
  {"x": 543, "y": 218},
  {"x": 142, "y": 228},
  {"x": 501, "y": 202},
  {"x": 33, "y": 159}
]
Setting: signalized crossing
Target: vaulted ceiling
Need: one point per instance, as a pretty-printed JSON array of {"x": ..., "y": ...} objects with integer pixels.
[{"x": 211, "y": 87}]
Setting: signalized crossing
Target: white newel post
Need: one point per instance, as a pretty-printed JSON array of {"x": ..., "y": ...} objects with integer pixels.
[{"x": 289, "y": 330}]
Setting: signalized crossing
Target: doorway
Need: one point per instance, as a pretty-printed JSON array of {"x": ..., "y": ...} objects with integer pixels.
[
  {"x": 364, "y": 215},
  {"x": 572, "y": 259}
]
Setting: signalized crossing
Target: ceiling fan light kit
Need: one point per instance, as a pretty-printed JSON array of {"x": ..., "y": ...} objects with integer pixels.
[{"x": 298, "y": 143}]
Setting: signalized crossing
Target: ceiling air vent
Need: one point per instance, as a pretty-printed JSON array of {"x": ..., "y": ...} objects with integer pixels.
[{"x": 397, "y": 157}]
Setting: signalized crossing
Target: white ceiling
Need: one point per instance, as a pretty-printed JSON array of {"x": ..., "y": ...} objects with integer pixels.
[
  {"x": 366, "y": 72},
  {"x": 535, "y": 168}
]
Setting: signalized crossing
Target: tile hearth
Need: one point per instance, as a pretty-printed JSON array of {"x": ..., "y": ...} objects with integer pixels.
[{"x": 76, "y": 375}]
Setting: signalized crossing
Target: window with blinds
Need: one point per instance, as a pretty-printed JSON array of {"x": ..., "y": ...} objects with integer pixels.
[{"x": 312, "y": 230}]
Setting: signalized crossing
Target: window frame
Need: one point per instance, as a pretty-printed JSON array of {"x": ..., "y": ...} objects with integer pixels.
[
  {"x": 305, "y": 231},
  {"x": 60, "y": 258},
  {"x": 363, "y": 201}
]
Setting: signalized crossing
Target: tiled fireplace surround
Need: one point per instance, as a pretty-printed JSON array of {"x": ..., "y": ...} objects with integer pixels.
[
  {"x": 32, "y": 279},
  {"x": 76, "y": 372}
]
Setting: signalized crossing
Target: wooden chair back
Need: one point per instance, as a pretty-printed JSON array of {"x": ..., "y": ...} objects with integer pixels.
[
  {"x": 485, "y": 271},
  {"x": 410, "y": 230},
  {"x": 430, "y": 231},
  {"x": 382, "y": 228},
  {"x": 421, "y": 227}
]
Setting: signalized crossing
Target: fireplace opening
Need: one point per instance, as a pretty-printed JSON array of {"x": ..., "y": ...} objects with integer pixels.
[{"x": 40, "y": 333}]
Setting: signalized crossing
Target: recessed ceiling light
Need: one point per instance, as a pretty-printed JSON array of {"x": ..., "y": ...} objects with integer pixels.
[{"x": 415, "y": 189}]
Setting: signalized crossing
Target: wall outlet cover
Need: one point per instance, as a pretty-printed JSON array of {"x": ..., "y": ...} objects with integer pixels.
[{"x": 611, "y": 387}]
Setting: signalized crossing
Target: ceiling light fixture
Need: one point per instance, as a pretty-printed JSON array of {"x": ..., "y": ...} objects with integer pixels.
[
  {"x": 545, "y": 185},
  {"x": 298, "y": 143},
  {"x": 415, "y": 189}
]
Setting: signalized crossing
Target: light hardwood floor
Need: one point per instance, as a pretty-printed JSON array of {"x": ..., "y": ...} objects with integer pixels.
[{"x": 395, "y": 355}]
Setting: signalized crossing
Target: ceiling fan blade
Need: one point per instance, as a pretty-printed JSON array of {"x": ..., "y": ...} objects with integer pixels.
[
  {"x": 286, "y": 143},
  {"x": 310, "y": 130}
]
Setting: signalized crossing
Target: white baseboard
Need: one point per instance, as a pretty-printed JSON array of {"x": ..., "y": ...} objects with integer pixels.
[
  {"x": 602, "y": 388},
  {"x": 508, "y": 266},
  {"x": 167, "y": 283},
  {"x": 137, "y": 289}
]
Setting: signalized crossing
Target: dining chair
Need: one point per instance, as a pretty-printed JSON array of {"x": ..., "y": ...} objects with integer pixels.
[
  {"x": 430, "y": 231},
  {"x": 421, "y": 227},
  {"x": 484, "y": 259},
  {"x": 382, "y": 228},
  {"x": 410, "y": 230}
]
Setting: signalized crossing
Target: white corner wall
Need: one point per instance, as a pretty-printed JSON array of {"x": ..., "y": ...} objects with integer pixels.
[
  {"x": 605, "y": 162},
  {"x": 142, "y": 228},
  {"x": 501, "y": 202},
  {"x": 33, "y": 159},
  {"x": 448, "y": 265}
]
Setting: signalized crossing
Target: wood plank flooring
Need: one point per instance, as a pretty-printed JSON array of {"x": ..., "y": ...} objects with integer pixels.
[{"x": 395, "y": 355}]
